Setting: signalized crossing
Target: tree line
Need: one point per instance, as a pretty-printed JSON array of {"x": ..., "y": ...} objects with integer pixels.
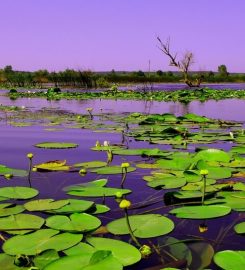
[{"x": 10, "y": 78}]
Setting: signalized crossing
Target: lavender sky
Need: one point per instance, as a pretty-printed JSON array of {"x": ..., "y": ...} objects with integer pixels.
[{"x": 102, "y": 35}]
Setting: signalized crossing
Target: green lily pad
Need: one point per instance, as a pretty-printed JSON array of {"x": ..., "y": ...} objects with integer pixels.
[
  {"x": 167, "y": 183},
  {"x": 96, "y": 191},
  {"x": 39, "y": 241},
  {"x": 240, "y": 228},
  {"x": 101, "y": 259},
  {"x": 143, "y": 226},
  {"x": 91, "y": 164},
  {"x": 7, "y": 209},
  {"x": 45, "y": 258},
  {"x": 74, "y": 206},
  {"x": 124, "y": 252},
  {"x": 15, "y": 172},
  {"x": 230, "y": 259},
  {"x": 201, "y": 212},
  {"x": 179, "y": 164},
  {"x": 100, "y": 209},
  {"x": 54, "y": 165},
  {"x": 238, "y": 149},
  {"x": 56, "y": 145},
  {"x": 7, "y": 263},
  {"x": 112, "y": 170},
  {"x": 45, "y": 204},
  {"x": 21, "y": 222},
  {"x": 18, "y": 192},
  {"x": 77, "y": 222},
  {"x": 213, "y": 155}
]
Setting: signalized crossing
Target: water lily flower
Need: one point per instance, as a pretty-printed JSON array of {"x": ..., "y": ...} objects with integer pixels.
[
  {"x": 29, "y": 155},
  {"x": 106, "y": 143},
  {"x": 89, "y": 109},
  {"x": 124, "y": 204},
  {"x": 83, "y": 171},
  {"x": 8, "y": 176},
  {"x": 203, "y": 228},
  {"x": 97, "y": 144},
  {"x": 125, "y": 165},
  {"x": 231, "y": 135},
  {"x": 23, "y": 107},
  {"x": 145, "y": 251},
  {"x": 204, "y": 172},
  {"x": 34, "y": 169}
]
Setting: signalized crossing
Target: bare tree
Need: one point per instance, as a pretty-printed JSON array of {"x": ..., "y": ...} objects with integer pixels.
[{"x": 183, "y": 65}]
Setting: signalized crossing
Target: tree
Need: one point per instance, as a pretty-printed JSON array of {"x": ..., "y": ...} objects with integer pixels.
[
  {"x": 222, "y": 69},
  {"x": 183, "y": 65}
]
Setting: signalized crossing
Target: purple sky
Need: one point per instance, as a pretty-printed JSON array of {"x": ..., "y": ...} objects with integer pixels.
[{"x": 120, "y": 34}]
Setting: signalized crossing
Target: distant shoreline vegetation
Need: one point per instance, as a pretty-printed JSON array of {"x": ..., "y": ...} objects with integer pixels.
[
  {"x": 87, "y": 79},
  {"x": 185, "y": 96}
]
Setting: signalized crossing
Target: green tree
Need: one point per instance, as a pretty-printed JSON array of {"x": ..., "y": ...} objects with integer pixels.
[{"x": 222, "y": 69}]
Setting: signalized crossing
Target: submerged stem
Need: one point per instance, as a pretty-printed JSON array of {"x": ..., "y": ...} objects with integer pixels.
[{"x": 204, "y": 189}]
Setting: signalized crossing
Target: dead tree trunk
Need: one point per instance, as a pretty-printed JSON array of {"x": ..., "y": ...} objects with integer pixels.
[{"x": 183, "y": 65}]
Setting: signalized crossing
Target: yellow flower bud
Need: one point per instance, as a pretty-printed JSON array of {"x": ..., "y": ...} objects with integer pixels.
[
  {"x": 83, "y": 171},
  {"x": 204, "y": 172},
  {"x": 203, "y": 228},
  {"x": 145, "y": 251},
  {"x": 8, "y": 176},
  {"x": 125, "y": 204},
  {"x": 29, "y": 155},
  {"x": 34, "y": 169},
  {"x": 125, "y": 165}
]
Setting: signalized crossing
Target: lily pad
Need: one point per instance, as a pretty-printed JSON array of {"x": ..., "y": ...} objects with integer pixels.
[
  {"x": 143, "y": 226},
  {"x": 56, "y": 145},
  {"x": 7, "y": 263},
  {"x": 240, "y": 228},
  {"x": 18, "y": 192},
  {"x": 167, "y": 183},
  {"x": 74, "y": 206},
  {"x": 91, "y": 164},
  {"x": 96, "y": 191},
  {"x": 15, "y": 172},
  {"x": 54, "y": 165},
  {"x": 77, "y": 222},
  {"x": 124, "y": 252},
  {"x": 39, "y": 241},
  {"x": 112, "y": 170},
  {"x": 201, "y": 212},
  {"x": 45, "y": 204},
  {"x": 213, "y": 155},
  {"x": 21, "y": 222},
  {"x": 45, "y": 258},
  {"x": 230, "y": 259},
  {"x": 7, "y": 209}
]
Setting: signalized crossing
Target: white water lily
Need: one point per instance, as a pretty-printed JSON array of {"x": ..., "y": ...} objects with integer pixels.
[
  {"x": 23, "y": 107},
  {"x": 106, "y": 143}
]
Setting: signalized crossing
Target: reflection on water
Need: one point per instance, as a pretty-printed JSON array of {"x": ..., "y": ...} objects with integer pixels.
[{"x": 229, "y": 109}]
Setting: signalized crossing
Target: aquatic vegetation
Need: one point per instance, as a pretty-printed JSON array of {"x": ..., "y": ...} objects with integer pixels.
[{"x": 186, "y": 180}]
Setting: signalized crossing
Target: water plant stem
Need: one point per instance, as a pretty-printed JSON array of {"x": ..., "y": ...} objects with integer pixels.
[
  {"x": 130, "y": 229},
  {"x": 204, "y": 189},
  {"x": 29, "y": 171},
  {"x": 124, "y": 174}
]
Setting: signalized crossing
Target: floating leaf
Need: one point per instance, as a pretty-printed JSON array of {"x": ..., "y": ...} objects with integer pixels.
[
  {"x": 45, "y": 204},
  {"x": 91, "y": 164},
  {"x": 240, "y": 228},
  {"x": 39, "y": 241},
  {"x": 96, "y": 191},
  {"x": 77, "y": 222},
  {"x": 56, "y": 145},
  {"x": 167, "y": 183},
  {"x": 124, "y": 252},
  {"x": 112, "y": 170},
  {"x": 45, "y": 258},
  {"x": 7, "y": 263},
  {"x": 7, "y": 209},
  {"x": 201, "y": 212},
  {"x": 21, "y": 222},
  {"x": 143, "y": 226},
  {"x": 74, "y": 206},
  {"x": 15, "y": 172},
  {"x": 213, "y": 155},
  {"x": 230, "y": 259},
  {"x": 18, "y": 192},
  {"x": 54, "y": 165}
]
